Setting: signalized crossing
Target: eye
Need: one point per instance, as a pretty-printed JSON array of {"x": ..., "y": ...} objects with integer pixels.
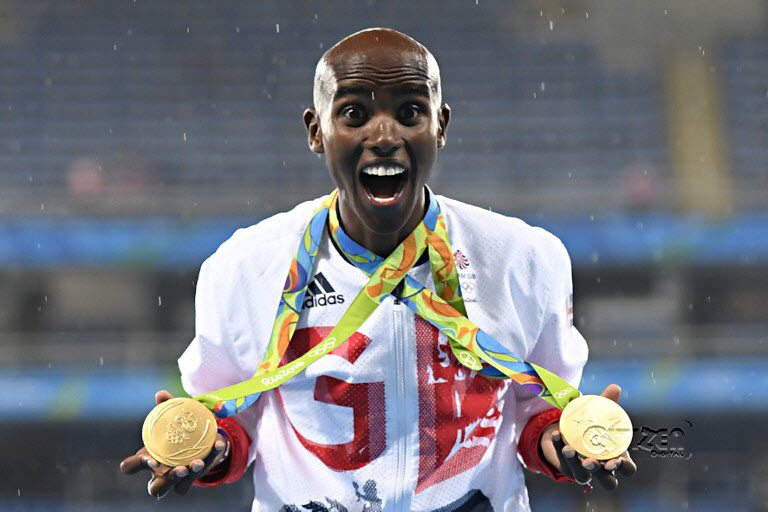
[
  {"x": 354, "y": 113},
  {"x": 409, "y": 112}
]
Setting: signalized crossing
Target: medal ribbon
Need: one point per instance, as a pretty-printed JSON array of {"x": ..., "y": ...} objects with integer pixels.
[{"x": 444, "y": 309}]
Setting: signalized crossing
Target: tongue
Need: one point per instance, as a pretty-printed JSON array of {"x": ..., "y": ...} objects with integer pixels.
[{"x": 382, "y": 187}]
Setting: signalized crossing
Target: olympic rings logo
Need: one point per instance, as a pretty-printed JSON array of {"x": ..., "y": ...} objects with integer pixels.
[
  {"x": 323, "y": 348},
  {"x": 562, "y": 393},
  {"x": 469, "y": 360}
]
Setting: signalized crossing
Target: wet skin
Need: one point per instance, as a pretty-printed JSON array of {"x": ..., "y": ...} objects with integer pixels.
[
  {"x": 586, "y": 470},
  {"x": 378, "y": 102},
  {"x": 379, "y": 105},
  {"x": 179, "y": 478}
]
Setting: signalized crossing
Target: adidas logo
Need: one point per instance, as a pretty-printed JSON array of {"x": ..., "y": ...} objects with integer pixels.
[{"x": 319, "y": 293}]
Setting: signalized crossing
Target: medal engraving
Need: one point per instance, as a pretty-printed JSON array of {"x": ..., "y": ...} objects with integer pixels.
[
  {"x": 178, "y": 431},
  {"x": 596, "y": 427},
  {"x": 180, "y": 428}
]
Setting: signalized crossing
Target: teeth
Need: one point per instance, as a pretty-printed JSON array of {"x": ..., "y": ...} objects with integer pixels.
[{"x": 381, "y": 170}]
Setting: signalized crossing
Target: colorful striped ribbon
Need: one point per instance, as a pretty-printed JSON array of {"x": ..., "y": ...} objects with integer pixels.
[{"x": 444, "y": 309}]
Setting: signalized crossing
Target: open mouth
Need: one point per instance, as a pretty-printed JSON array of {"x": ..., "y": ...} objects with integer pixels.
[{"x": 384, "y": 182}]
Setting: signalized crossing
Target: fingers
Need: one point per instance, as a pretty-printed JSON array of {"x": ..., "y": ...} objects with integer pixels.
[
  {"x": 132, "y": 464},
  {"x": 583, "y": 471},
  {"x": 196, "y": 470},
  {"x": 218, "y": 447},
  {"x": 559, "y": 444},
  {"x": 603, "y": 473},
  {"x": 199, "y": 467},
  {"x": 182, "y": 477},
  {"x": 580, "y": 473},
  {"x": 613, "y": 391},
  {"x": 627, "y": 466},
  {"x": 570, "y": 464},
  {"x": 179, "y": 478},
  {"x": 138, "y": 462},
  {"x": 162, "y": 395},
  {"x": 159, "y": 485}
]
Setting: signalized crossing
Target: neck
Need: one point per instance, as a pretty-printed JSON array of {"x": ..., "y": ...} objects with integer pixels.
[{"x": 381, "y": 244}]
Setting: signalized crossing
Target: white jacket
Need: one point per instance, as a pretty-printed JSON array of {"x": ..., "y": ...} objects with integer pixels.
[{"x": 389, "y": 421}]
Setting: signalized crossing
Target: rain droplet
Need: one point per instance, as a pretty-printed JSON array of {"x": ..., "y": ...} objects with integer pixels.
[
  {"x": 159, "y": 300},
  {"x": 114, "y": 47},
  {"x": 551, "y": 25},
  {"x": 586, "y": 14},
  {"x": 185, "y": 136},
  {"x": 277, "y": 28},
  {"x": 543, "y": 86},
  {"x": 101, "y": 361}
]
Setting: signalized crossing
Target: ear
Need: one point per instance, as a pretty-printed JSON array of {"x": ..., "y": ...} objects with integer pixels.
[
  {"x": 314, "y": 135},
  {"x": 443, "y": 118}
]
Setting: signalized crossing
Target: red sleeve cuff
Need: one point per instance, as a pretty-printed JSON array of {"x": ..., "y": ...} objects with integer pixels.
[
  {"x": 233, "y": 468},
  {"x": 529, "y": 446}
]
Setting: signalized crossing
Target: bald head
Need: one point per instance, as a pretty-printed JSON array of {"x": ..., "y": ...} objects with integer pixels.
[{"x": 377, "y": 54}]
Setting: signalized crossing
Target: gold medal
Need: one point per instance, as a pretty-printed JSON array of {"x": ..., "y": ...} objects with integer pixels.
[
  {"x": 596, "y": 427},
  {"x": 178, "y": 431}
]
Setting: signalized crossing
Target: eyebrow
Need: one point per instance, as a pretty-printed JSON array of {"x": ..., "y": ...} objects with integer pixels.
[
  {"x": 355, "y": 90},
  {"x": 418, "y": 89}
]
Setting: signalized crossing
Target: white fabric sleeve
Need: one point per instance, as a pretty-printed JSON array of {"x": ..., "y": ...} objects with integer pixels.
[
  {"x": 560, "y": 347},
  {"x": 210, "y": 361}
]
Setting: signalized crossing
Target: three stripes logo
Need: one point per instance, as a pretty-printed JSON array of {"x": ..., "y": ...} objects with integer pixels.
[{"x": 321, "y": 293}]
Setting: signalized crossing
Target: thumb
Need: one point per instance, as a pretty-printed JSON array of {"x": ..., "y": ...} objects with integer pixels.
[
  {"x": 162, "y": 395},
  {"x": 613, "y": 391}
]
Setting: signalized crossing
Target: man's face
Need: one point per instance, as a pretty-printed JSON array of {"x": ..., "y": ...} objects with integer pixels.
[{"x": 380, "y": 126}]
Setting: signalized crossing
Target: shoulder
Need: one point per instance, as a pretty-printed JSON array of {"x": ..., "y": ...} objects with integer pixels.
[
  {"x": 258, "y": 247},
  {"x": 501, "y": 234}
]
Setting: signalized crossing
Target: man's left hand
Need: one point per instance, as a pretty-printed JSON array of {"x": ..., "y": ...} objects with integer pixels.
[{"x": 564, "y": 458}]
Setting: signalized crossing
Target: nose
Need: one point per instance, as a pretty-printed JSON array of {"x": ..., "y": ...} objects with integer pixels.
[{"x": 383, "y": 138}]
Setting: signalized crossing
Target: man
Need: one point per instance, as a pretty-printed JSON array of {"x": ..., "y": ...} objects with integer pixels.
[{"x": 391, "y": 420}]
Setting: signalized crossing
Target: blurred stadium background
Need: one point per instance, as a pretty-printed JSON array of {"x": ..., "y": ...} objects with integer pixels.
[{"x": 135, "y": 136}]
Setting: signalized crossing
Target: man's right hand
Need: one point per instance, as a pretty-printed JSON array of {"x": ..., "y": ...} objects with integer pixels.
[{"x": 180, "y": 478}]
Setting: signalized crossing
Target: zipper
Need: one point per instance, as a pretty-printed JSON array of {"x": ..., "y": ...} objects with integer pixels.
[{"x": 401, "y": 419}]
